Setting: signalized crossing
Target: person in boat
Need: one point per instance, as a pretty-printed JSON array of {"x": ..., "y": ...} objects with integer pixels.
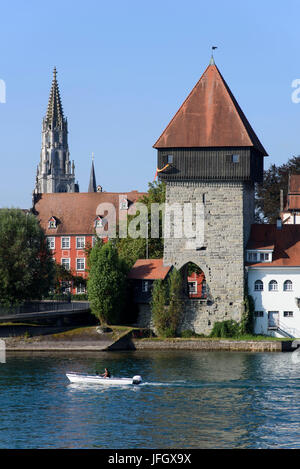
[{"x": 106, "y": 373}]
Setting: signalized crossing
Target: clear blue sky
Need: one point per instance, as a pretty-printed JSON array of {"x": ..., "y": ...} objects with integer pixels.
[{"x": 124, "y": 68}]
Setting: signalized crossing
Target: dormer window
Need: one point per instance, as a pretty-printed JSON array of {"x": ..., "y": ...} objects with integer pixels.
[
  {"x": 252, "y": 256},
  {"x": 98, "y": 222},
  {"x": 259, "y": 256},
  {"x": 52, "y": 224},
  {"x": 123, "y": 204}
]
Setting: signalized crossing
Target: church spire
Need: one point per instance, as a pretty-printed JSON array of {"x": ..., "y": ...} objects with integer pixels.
[
  {"x": 55, "y": 115},
  {"x": 92, "y": 183},
  {"x": 55, "y": 172}
]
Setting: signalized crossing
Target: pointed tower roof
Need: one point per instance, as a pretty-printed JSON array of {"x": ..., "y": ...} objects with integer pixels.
[
  {"x": 209, "y": 117},
  {"x": 55, "y": 111},
  {"x": 92, "y": 183}
]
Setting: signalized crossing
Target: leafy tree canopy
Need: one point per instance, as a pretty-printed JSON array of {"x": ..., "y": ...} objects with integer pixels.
[
  {"x": 106, "y": 283},
  {"x": 26, "y": 264},
  {"x": 268, "y": 193}
]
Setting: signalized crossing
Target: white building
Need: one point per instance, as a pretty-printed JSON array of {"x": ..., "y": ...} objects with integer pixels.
[{"x": 273, "y": 265}]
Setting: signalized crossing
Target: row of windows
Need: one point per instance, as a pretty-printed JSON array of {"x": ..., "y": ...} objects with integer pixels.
[
  {"x": 286, "y": 314},
  {"x": 65, "y": 242},
  {"x": 66, "y": 288},
  {"x": 273, "y": 285},
  {"x": 80, "y": 263}
]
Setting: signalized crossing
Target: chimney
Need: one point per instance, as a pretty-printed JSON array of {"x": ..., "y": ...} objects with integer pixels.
[
  {"x": 279, "y": 224},
  {"x": 281, "y": 200}
]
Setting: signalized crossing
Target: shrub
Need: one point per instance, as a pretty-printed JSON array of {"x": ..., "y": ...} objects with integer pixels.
[
  {"x": 225, "y": 329},
  {"x": 166, "y": 317}
]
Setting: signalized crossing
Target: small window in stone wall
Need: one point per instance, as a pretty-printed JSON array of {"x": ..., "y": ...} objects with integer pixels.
[
  {"x": 288, "y": 314},
  {"x": 258, "y": 314}
]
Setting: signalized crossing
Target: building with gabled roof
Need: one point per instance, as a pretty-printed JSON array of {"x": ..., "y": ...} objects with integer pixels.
[
  {"x": 291, "y": 212},
  {"x": 73, "y": 221},
  {"x": 273, "y": 266}
]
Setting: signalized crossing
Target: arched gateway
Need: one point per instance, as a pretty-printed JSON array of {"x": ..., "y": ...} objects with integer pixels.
[{"x": 209, "y": 155}]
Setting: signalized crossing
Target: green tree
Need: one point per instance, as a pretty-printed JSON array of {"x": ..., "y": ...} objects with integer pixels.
[
  {"x": 132, "y": 249},
  {"x": 26, "y": 264},
  {"x": 175, "y": 300},
  {"x": 268, "y": 193},
  {"x": 106, "y": 283},
  {"x": 166, "y": 304},
  {"x": 159, "y": 306}
]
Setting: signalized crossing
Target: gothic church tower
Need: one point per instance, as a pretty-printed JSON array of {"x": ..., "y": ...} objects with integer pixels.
[{"x": 54, "y": 172}]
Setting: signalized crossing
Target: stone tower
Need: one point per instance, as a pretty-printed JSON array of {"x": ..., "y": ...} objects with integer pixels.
[
  {"x": 54, "y": 172},
  {"x": 210, "y": 155}
]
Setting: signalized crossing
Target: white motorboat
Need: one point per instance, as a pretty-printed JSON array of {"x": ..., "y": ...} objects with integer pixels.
[{"x": 95, "y": 379}]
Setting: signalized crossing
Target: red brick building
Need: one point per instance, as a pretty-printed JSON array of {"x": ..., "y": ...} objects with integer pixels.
[{"x": 72, "y": 221}]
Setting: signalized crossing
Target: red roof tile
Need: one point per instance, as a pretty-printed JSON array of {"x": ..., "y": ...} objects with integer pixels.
[
  {"x": 209, "y": 117},
  {"x": 286, "y": 243},
  {"x": 76, "y": 212},
  {"x": 149, "y": 269}
]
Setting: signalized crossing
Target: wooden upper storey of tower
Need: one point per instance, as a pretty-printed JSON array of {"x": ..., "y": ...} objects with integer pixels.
[{"x": 210, "y": 137}]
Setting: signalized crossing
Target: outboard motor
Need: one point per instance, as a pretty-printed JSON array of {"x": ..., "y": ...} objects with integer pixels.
[{"x": 137, "y": 379}]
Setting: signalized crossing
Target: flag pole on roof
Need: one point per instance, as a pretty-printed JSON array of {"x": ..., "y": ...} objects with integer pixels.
[{"x": 212, "y": 60}]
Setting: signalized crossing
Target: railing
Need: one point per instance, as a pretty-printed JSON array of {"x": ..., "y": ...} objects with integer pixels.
[
  {"x": 45, "y": 306},
  {"x": 284, "y": 329}
]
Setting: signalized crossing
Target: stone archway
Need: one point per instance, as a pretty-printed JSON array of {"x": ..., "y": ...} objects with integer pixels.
[{"x": 194, "y": 282}]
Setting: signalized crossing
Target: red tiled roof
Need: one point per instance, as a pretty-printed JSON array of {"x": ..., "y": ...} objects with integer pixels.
[
  {"x": 149, "y": 269},
  {"x": 209, "y": 117},
  {"x": 286, "y": 242},
  {"x": 76, "y": 212}
]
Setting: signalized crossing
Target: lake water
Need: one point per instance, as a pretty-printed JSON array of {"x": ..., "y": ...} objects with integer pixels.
[{"x": 188, "y": 399}]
